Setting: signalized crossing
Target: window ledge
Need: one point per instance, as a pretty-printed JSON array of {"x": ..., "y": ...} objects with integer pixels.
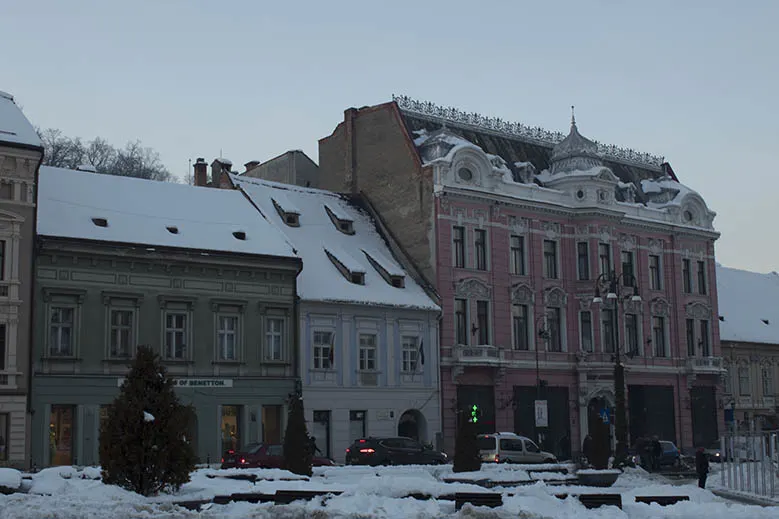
[
  {"x": 118, "y": 360},
  {"x": 177, "y": 361},
  {"x": 370, "y": 371},
  {"x": 322, "y": 370},
  {"x": 61, "y": 358},
  {"x": 278, "y": 362},
  {"x": 228, "y": 362}
]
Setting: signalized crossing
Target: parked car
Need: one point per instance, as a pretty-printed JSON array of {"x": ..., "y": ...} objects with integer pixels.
[
  {"x": 671, "y": 455},
  {"x": 713, "y": 452},
  {"x": 393, "y": 451},
  {"x": 512, "y": 448},
  {"x": 266, "y": 456}
]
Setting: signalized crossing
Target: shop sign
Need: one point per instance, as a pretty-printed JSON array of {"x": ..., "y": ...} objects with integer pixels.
[{"x": 195, "y": 382}]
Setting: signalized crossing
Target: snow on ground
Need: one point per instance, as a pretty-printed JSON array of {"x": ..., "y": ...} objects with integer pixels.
[{"x": 368, "y": 493}]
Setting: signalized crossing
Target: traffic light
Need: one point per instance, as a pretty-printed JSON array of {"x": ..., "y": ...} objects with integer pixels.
[{"x": 475, "y": 413}]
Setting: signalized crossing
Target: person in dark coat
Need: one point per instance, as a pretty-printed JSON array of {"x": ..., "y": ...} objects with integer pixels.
[
  {"x": 657, "y": 453},
  {"x": 564, "y": 447},
  {"x": 312, "y": 445},
  {"x": 701, "y": 466},
  {"x": 587, "y": 448}
]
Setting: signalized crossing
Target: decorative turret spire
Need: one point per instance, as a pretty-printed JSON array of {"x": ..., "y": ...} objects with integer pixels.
[
  {"x": 575, "y": 152},
  {"x": 573, "y": 118}
]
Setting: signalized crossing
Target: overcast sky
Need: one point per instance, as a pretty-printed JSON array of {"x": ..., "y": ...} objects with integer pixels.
[{"x": 695, "y": 81}]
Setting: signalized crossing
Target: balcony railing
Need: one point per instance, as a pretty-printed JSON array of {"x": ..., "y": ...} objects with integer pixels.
[
  {"x": 481, "y": 355},
  {"x": 705, "y": 365},
  {"x": 8, "y": 379}
]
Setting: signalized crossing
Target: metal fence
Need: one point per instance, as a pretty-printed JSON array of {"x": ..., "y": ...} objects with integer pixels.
[{"x": 750, "y": 463}]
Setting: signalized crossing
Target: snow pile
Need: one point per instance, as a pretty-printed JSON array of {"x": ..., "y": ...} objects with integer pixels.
[
  {"x": 747, "y": 304},
  {"x": 90, "y": 206},
  {"x": 148, "y": 417},
  {"x": 10, "y": 478}
]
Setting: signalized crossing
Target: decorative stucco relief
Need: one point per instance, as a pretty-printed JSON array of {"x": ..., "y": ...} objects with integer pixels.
[{"x": 472, "y": 288}]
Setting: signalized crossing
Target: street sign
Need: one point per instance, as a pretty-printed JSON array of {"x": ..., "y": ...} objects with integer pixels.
[
  {"x": 542, "y": 414},
  {"x": 604, "y": 415}
]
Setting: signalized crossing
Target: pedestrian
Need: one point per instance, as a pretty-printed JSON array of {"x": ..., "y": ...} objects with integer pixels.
[
  {"x": 640, "y": 447},
  {"x": 587, "y": 449},
  {"x": 564, "y": 447},
  {"x": 701, "y": 466},
  {"x": 657, "y": 453},
  {"x": 312, "y": 445}
]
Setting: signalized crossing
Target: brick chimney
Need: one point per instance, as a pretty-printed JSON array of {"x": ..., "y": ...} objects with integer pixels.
[
  {"x": 251, "y": 165},
  {"x": 201, "y": 174}
]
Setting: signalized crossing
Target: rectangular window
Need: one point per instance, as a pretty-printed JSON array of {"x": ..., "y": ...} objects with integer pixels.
[
  {"x": 461, "y": 320},
  {"x": 4, "y": 430},
  {"x": 519, "y": 324},
  {"x": 409, "y": 353},
  {"x": 743, "y": 381},
  {"x": 2, "y": 348},
  {"x": 274, "y": 338},
  {"x": 459, "y": 246},
  {"x": 517, "y": 264},
  {"x": 321, "y": 433},
  {"x": 585, "y": 324},
  {"x": 175, "y": 335},
  {"x": 227, "y": 336},
  {"x": 607, "y": 325},
  {"x": 367, "y": 352},
  {"x": 583, "y": 256},
  {"x": 61, "y": 433},
  {"x": 231, "y": 428},
  {"x": 121, "y": 333},
  {"x": 702, "y": 277},
  {"x": 61, "y": 332},
  {"x": 690, "y": 334},
  {"x": 323, "y": 344},
  {"x": 628, "y": 269},
  {"x": 554, "y": 327},
  {"x": 631, "y": 334},
  {"x": 271, "y": 424},
  {"x": 550, "y": 259},
  {"x": 706, "y": 350},
  {"x": 481, "y": 249},
  {"x": 768, "y": 381},
  {"x": 658, "y": 336},
  {"x": 655, "y": 281},
  {"x": 483, "y": 320},
  {"x": 357, "y": 425},
  {"x": 2, "y": 260},
  {"x": 686, "y": 276},
  {"x": 604, "y": 255}
]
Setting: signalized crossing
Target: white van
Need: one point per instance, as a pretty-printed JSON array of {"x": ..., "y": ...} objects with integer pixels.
[{"x": 511, "y": 448}]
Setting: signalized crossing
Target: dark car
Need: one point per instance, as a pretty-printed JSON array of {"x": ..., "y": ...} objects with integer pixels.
[
  {"x": 671, "y": 455},
  {"x": 392, "y": 451},
  {"x": 266, "y": 456}
]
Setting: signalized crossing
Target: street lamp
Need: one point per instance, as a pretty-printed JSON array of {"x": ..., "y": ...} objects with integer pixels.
[
  {"x": 615, "y": 287},
  {"x": 543, "y": 333}
]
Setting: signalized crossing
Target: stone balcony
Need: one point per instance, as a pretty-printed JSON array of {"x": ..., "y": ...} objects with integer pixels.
[
  {"x": 481, "y": 355},
  {"x": 705, "y": 365}
]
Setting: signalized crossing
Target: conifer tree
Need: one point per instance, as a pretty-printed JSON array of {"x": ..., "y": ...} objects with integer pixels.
[
  {"x": 143, "y": 442},
  {"x": 466, "y": 448},
  {"x": 298, "y": 451}
]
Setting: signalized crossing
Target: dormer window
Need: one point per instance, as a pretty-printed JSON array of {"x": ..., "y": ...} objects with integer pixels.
[
  {"x": 386, "y": 269},
  {"x": 342, "y": 221},
  {"x": 288, "y": 213},
  {"x": 100, "y": 222},
  {"x": 172, "y": 229},
  {"x": 347, "y": 266},
  {"x": 239, "y": 235}
]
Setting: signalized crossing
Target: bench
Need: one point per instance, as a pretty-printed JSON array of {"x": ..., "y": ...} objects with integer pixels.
[
  {"x": 491, "y": 500},
  {"x": 253, "y": 497},
  {"x": 285, "y": 497},
  {"x": 193, "y": 505},
  {"x": 661, "y": 500},
  {"x": 596, "y": 500}
]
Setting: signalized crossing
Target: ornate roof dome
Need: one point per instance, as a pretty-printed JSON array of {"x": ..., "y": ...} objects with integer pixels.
[{"x": 575, "y": 152}]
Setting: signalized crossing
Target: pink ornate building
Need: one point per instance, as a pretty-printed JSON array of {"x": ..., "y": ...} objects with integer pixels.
[{"x": 512, "y": 226}]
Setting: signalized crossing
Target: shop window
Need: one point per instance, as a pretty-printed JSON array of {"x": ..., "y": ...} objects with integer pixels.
[
  {"x": 271, "y": 424},
  {"x": 61, "y": 431},
  {"x": 356, "y": 425},
  {"x": 321, "y": 430},
  {"x": 231, "y": 428}
]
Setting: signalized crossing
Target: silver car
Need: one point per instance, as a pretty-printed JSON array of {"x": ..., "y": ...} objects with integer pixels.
[{"x": 511, "y": 448}]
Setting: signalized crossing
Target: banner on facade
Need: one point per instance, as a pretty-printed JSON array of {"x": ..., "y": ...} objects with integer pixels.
[
  {"x": 194, "y": 382},
  {"x": 542, "y": 414}
]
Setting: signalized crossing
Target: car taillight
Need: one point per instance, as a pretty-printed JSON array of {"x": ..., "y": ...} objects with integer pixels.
[
  {"x": 367, "y": 451},
  {"x": 348, "y": 451},
  {"x": 362, "y": 441},
  {"x": 497, "y": 459},
  {"x": 223, "y": 460},
  {"x": 243, "y": 460}
]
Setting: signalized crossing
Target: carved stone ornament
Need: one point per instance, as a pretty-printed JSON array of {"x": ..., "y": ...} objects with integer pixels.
[
  {"x": 627, "y": 242},
  {"x": 656, "y": 246},
  {"x": 444, "y": 204},
  {"x": 659, "y": 307},
  {"x": 605, "y": 233},
  {"x": 472, "y": 288},
  {"x": 555, "y": 297},
  {"x": 495, "y": 212},
  {"x": 585, "y": 301},
  {"x": 521, "y": 294},
  {"x": 582, "y": 230},
  {"x": 697, "y": 310},
  {"x": 632, "y": 307},
  {"x": 551, "y": 229},
  {"x": 519, "y": 225}
]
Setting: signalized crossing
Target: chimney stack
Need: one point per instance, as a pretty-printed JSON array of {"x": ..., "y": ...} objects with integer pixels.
[
  {"x": 251, "y": 165},
  {"x": 201, "y": 175}
]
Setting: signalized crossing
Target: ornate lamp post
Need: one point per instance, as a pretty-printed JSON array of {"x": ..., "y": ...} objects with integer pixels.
[
  {"x": 617, "y": 288},
  {"x": 543, "y": 333}
]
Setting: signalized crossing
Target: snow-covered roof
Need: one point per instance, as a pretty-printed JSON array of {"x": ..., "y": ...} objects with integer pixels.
[
  {"x": 748, "y": 305},
  {"x": 91, "y": 206},
  {"x": 14, "y": 126},
  {"x": 317, "y": 236}
]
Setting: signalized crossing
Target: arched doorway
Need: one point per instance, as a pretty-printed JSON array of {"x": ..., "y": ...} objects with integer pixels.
[{"x": 412, "y": 424}]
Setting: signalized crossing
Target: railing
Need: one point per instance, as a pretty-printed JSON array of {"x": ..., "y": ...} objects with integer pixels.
[
  {"x": 8, "y": 379},
  {"x": 711, "y": 365},
  {"x": 480, "y": 355},
  {"x": 751, "y": 463}
]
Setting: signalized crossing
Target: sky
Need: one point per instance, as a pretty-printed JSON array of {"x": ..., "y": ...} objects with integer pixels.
[{"x": 693, "y": 81}]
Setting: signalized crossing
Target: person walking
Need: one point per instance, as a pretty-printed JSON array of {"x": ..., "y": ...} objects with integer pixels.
[
  {"x": 657, "y": 453},
  {"x": 701, "y": 466},
  {"x": 587, "y": 448},
  {"x": 312, "y": 446}
]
